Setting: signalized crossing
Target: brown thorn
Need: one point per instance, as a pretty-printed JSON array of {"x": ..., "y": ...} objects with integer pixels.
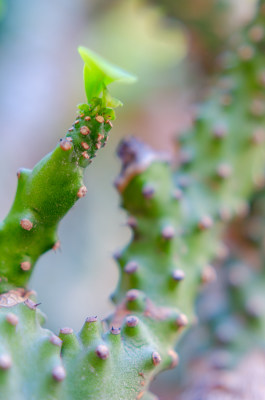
[
  {"x": 56, "y": 245},
  {"x": 132, "y": 295},
  {"x": 25, "y": 265},
  {"x": 206, "y": 222},
  {"x": 224, "y": 170},
  {"x": 132, "y": 222},
  {"x": 84, "y": 130},
  {"x": 5, "y": 361},
  {"x": 85, "y": 155},
  {"x": 12, "y": 319},
  {"x": 182, "y": 320},
  {"x": 30, "y": 304},
  {"x": 66, "y": 331},
  {"x": 58, "y": 373},
  {"x": 91, "y": 319},
  {"x": 109, "y": 123},
  {"x": 256, "y": 33},
  {"x": 102, "y": 351},
  {"x": 245, "y": 52},
  {"x": 85, "y": 145},
  {"x": 132, "y": 321},
  {"x": 26, "y": 224},
  {"x": 168, "y": 232},
  {"x": 148, "y": 191},
  {"x": 82, "y": 191},
  {"x": 99, "y": 119},
  {"x": 175, "y": 358},
  {"x": 208, "y": 274},
  {"x": 156, "y": 358},
  {"x": 131, "y": 267},
  {"x": 178, "y": 275},
  {"x": 55, "y": 340},
  {"x": 66, "y": 145},
  {"x": 258, "y": 136},
  {"x": 115, "y": 331}
]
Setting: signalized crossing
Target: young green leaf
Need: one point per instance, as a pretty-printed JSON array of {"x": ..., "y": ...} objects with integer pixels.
[{"x": 99, "y": 73}]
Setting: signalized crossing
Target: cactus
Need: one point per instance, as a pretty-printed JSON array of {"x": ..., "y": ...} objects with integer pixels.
[
  {"x": 176, "y": 221},
  {"x": 30, "y": 228}
]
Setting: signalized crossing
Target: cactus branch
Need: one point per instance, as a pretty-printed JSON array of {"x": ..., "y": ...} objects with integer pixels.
[{"x": 45, "y": 194}]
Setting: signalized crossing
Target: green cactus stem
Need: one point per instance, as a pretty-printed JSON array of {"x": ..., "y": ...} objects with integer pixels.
[
  {"x": 228, "y": 343},
  {"x": 46, "y": 193}
]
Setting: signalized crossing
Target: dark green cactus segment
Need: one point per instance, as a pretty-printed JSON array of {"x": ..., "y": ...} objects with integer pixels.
[
  {"x": 30, "y": 362},
  {"x": 45, "y": 194}
]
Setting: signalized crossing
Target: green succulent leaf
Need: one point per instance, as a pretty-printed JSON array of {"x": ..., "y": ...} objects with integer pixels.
[{"x": 99, "y": 73}]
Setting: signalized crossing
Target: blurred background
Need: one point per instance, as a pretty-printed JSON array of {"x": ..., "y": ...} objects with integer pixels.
[{"x": 170, "y": 45}]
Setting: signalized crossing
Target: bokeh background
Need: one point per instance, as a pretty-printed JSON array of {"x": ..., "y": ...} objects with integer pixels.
[{"x": 41, "y": 84}]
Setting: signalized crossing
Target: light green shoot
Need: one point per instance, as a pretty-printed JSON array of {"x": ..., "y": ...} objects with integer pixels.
[{"x": 99, "y": 73}]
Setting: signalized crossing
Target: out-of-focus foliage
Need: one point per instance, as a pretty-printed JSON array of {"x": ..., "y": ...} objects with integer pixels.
[
  {"x": 136, "y": 37},
  {"x": 209, "y": 22}
]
